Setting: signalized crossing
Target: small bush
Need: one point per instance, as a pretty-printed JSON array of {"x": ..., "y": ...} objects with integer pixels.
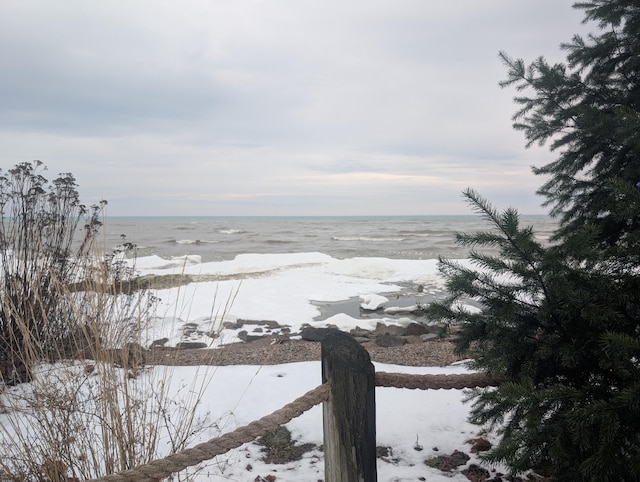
[
  {"x": 43, "y": 249},
  {"x": 72, "y": 321}
]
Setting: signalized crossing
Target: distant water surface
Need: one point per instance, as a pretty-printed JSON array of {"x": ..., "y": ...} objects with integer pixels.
[{"x": 223, "y": 238}]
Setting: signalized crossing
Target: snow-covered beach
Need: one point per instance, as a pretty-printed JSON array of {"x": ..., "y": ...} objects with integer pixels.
[
  {"x": 290, "y": 289},
  {"x": 237, "y": 395},
  {"x": 293, "y": 290}
]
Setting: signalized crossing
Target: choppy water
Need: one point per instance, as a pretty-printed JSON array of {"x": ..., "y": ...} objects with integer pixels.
[{"x": 222, "y": 238}]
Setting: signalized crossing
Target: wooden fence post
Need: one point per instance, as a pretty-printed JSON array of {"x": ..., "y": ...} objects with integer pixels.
[{"x": 349, "y": 415}]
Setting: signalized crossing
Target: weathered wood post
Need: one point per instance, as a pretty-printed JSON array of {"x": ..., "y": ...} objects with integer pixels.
[{"x": 350, "y": 413}]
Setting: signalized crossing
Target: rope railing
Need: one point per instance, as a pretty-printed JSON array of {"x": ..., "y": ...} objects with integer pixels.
[
  {"x": 161, "y": 468},
  {"x": 435, "y": 382}
]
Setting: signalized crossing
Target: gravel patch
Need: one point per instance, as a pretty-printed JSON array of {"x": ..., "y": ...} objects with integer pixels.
[{"x": 274, "y": 350}]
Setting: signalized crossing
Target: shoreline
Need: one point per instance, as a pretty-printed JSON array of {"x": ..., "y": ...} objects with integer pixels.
[{"x": 275, "y": 350}]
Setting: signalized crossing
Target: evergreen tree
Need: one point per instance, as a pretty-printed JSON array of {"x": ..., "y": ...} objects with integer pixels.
[
  {"x": 589, "y": 109},
  {"x": 561, "y": 324}
]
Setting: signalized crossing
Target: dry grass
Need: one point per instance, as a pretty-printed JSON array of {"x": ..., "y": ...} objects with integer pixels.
[
  {"x": 76, "y": 398},
  {"x": 89, "y": 405}
]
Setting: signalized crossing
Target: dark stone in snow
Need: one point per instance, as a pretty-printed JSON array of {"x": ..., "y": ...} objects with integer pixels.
[
  {"x": 316, "y": 334},
  {"x": 396, "y": 330},
  {"x": 185, "y": 345},
  {"x": 416, "y": 329}
]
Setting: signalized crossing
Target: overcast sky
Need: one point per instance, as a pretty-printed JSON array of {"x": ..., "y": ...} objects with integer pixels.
[{"x": 275, "y": 107}]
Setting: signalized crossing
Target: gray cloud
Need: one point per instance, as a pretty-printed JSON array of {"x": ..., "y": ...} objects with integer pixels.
[{"x": 279, "y": 107}]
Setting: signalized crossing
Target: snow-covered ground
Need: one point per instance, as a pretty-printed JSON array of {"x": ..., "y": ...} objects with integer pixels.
[
  {"x": 288, "y": 289},
  {"x": 237, "y": 395}
]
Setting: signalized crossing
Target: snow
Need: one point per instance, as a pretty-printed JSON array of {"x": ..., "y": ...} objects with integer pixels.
[
  {"x": 286, "y": 288},
  {"x": 372, "y": 302},
  {"x": 436, "y": 418}
]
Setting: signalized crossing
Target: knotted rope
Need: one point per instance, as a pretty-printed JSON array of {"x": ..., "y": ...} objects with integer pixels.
[
  {"x": 161, "y": 468},
  {"x": 434, "y": 382}
]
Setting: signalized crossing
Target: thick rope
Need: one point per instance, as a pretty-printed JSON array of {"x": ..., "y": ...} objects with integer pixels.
[
  {"x": 161, "y": 468},
  {"x": 435, "y": 382}
]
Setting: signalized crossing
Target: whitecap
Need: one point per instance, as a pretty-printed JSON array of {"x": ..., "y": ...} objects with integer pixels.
[
  {"x": 187, "y": 241},
  {"x": 365, "y": 238}
]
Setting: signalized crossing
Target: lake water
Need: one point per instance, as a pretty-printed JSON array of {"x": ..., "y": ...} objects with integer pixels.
[{"x": 223, "y": 238}]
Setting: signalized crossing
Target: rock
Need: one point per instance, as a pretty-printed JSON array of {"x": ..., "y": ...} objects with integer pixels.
[
  {"x": 479, "y": 444},
  {"x": 475, "y": 473},
  {"x": 272, "y": 324},
  {"x": 390, "y": 340},
  {"x": 358, "y": 332},
  {"x": 159, "y": 343},
  {"x": 395, "y": 330},
  {"x": 190, "y": 345},
  {"x": 311, "y": 333},
  {"x": 416, "y": 329},
  {"x": 244, "y": 336},
  {"x": 372, "y": 302},
  {"x": 447, "y": 463},
  {"x": 429, "y": 337}
]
